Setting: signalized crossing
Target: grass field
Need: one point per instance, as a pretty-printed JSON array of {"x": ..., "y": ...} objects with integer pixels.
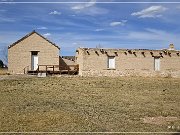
[{"x": 82, "y": 104}]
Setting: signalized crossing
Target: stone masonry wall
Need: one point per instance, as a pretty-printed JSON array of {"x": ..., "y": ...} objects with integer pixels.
[
  {"x": 19, "y": 55},
  {"x": 93, "y": 62}
]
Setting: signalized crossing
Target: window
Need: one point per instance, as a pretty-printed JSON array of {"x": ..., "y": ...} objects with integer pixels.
[
  {"x": 157, "y": 64},
  {"x": 111, "y": 62}
]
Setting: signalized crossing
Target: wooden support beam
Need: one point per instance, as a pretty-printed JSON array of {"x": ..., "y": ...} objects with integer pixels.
[
  {"x": 169, "y": 54},
  {"x": 129, "y": 51},
  {"x": 102, "y": 51},
  {"x": 143, "y": 53},
  {"x": 165, "y": 52},
  {"x": 97, "y": 53},
  {"x": 106, "y": 53},
  {"x": 134, "y": 54},
  {"x": 88, "y": 52},
  {"x": 116, "y": 53}
]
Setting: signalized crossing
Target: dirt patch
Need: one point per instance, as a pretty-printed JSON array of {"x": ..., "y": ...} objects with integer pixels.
[{"x": 159, "y": 120}]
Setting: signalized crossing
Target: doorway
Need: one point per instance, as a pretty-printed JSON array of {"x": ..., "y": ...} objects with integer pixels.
[{"x": 34, "y": 60}]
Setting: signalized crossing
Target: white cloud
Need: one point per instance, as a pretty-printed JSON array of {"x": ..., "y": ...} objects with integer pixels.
[
  {"x": 42, "y": 28},
  {"x": 89, "y": 8},
  {"x": 122, "y": 23},
  {"x": 99, "y": 30},
  {"x": 95, "y": 11},
  {"x": 47, "y": 34},
  {"x": 2, "y": 10},
  {"x": 84, "y": 5},
  {"x": 178, "y": 7},
  {"x": 72, "y": 15},
  {"x": 153, "y": 12},
  {"x": 155, "y": 35},
  {"x": 3, "y": 19},
  {"x": 6, "y": 0},
  {"x": 55, "y": 13}
]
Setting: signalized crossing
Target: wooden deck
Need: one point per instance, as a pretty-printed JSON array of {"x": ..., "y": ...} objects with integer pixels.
[{"x": 55, "y": 69}]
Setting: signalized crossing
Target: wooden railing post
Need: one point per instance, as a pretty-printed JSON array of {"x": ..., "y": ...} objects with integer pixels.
[
  {"x": 46, "y": 69},
  {"x": 53, "y": 69},
  {"x": 59, "y": 68},
  {"x": 68, "y": 71},
  {"x": 38, "y": 69}
]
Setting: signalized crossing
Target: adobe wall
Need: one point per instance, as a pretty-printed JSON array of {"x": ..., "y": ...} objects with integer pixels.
[
  {"x": 19, "y": 56},
  {"x": 93, "y": 62},
  {"x": 65, "y": 62}
]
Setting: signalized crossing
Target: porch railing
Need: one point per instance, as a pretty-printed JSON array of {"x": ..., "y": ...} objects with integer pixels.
[
  {"x": 26, "y": 69},
  {"x": 56, "y": 68}
]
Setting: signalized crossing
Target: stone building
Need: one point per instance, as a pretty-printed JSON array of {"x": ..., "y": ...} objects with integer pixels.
[
  {"x": 34, "y": 50},
  {"x": 124, "y": 62},
  {"x": 30, "y": 51}
]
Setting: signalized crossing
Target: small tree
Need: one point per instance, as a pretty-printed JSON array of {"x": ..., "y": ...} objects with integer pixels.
[{"x": 1, "y": 64}]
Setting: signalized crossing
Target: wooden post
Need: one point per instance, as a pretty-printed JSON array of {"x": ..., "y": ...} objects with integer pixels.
[
  {"x": 38, "y": 68},
  {"x": 59, "y": 70},
  {"x": 53, "y": 69},
  {"x": 46, "y": 69}
]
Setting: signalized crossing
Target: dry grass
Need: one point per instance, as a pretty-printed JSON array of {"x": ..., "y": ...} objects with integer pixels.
[
  {"x": 3, "y": 71},
  {"x": 89, "y": 104}
]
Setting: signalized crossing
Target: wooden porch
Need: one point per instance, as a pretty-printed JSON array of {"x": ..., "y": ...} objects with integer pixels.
[{"x": 54, "y": 69}]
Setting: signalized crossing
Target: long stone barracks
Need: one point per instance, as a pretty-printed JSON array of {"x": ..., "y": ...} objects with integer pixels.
[{"x": 128, "y": 62}]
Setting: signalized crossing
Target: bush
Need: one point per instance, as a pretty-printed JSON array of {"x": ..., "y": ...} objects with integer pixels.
[{"x": 1, "y": 64}]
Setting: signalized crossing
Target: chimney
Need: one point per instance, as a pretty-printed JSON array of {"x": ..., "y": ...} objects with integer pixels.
[{"x": 171, "y": 47}]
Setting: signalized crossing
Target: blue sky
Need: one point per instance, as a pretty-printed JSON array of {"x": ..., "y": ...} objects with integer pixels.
[{"x": 92, "y": 24}]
